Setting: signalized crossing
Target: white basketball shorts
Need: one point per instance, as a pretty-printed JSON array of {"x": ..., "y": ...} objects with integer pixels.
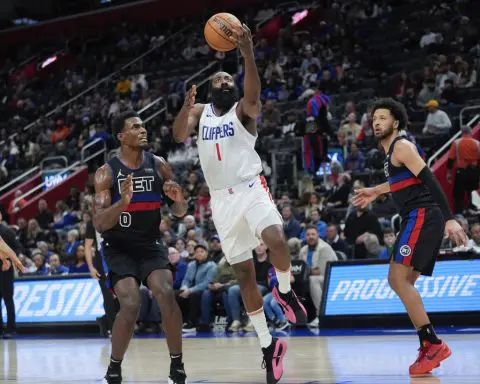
[{"x": 240, "y": 214}]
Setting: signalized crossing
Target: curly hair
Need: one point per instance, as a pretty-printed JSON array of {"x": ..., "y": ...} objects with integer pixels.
[{"x": 397, "y": 110}]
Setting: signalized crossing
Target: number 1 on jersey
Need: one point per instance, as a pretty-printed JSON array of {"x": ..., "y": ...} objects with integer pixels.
[{"x": 219, "y": 156}]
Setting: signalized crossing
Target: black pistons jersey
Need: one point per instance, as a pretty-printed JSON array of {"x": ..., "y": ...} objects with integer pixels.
[
  {"x": 408, "y": 191},
  {"x": 141, "y": 219}
]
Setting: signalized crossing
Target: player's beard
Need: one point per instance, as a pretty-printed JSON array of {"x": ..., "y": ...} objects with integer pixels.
[
  {"x": 385, "y": 134},
  {"x": 224, "y": 97}
]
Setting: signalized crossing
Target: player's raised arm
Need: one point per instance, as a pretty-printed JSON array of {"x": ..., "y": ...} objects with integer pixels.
[
  {"x": 406, "y": 153},
  {"x": 106, "y": 215},
  {"x": 250, "y": 103},
  {"x": 172, "y": 189},
  {"x": 187, "y": 119}
]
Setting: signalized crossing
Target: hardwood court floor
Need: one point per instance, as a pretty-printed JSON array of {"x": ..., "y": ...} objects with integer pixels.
[{"x": 236, "y": 360}]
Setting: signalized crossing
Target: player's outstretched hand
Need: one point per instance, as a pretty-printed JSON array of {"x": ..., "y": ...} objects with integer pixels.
[
  {"x": 173, "y": 191},
  {"x": 190, "y": 97},
  {"x": 126, "y": 190},
  {"x": 364, "y": 196},
  {"x": 243, "y": 39},
  {"x": 455, "y": 233}
]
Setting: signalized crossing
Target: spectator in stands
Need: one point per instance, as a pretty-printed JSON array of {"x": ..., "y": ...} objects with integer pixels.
[
  {"x": 444, "y": 74},
  {"x": 189, "y": 223},
  {"x": 450, "y": 95},
  {"x": 70, "y": 249},
  {"x": 338, "y": 194},
  {"x": 44, "y": 249},
  {"x": 200, "y": 273},
  {"x": 271, "y": 118},
  {"x": 409, "y": 99},
  {"x": 262, "y": 265},
  {"x": 40, "y": 264},
  {"x": 350, "y": 130},
  {"x": 63, "y": 218},
  {"x": 317, "y": 223},
  {"x": 55, "y": 267},
  {"x": 216, "y": 253},
  {"x": 359, "y": 222},
  {"x": 438, "y": 122},
  {"x": 16, "y": 204},
  {"x": 295, "y": 245},
  {"x": 80, "y": 264},
  {"x": 309, "y": 60},
  {"x": 389, "y": 238},
  {"x": 191, "y": 244},
  {"x": 372, "y": 245},
  {"x": 466, "y": 75},
  {"x": 355, "y": 159},
  {"x": 313, "y": 205},
  {"x": 180, "y": 245},
  {"x": 316, "y": 254},
  {"x": 464, "y": 155},
  {"x": 291, "y": 225},
  {"x": 123, "y": 86},
  {"x": 474, "y": 242},
  {"x": 217, "y": 291},
  {"x": 429, "y": 92},
  {"x": 179, "y": 266},
  {"x": 34, "y": 234},
  {"x": 44, "y": 217},
  {"x": 335, "y": 241}
]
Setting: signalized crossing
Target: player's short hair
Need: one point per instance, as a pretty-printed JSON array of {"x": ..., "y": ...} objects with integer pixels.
[
  {"x": 397, "y": 110},
  {"x": 311, "y": 226},
  {"x": 119, "y": 122}
]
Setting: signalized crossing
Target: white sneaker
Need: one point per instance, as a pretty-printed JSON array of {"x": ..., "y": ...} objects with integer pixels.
[
  {"x": 314, "y": 324},
  {"x": 249, "y": 327},
  {"x": 235, "y": 326}
]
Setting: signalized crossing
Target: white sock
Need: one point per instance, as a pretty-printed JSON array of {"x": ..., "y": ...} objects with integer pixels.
[
  {"x": 260, "y": 324},
  {"x": 283, "y": 280}
]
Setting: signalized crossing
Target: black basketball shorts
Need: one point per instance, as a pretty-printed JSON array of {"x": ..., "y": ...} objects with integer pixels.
[
  {"x": 134, "y": 259},
  {"x": 419, "y": 239}
]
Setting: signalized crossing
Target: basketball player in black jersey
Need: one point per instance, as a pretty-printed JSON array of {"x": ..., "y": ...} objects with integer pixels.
[
  {"x": 426, "y": 217},
  {"x": 128, "y": 193}
]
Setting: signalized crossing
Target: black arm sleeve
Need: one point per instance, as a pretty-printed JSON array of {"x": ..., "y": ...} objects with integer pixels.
[{"x": 436, "y": 190}]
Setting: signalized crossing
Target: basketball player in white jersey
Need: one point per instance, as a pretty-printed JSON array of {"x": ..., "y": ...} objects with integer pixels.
[{"x": 242, "y": 208}]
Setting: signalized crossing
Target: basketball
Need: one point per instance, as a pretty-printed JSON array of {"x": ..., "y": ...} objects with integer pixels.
[{"x": 218, "y": 30}]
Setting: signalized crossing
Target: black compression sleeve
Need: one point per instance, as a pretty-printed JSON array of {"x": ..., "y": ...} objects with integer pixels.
[{"x": 436, "y": 190}]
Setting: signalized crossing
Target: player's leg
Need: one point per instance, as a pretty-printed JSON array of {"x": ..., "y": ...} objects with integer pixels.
[
  {"x": 414, "y": 255},
  {"x": 273, "y": 349},
  {"x": 128, "y": 294},
  {"x": 265, "y": 221},
  {"x": 160, "y": 282},
  {"x": 274, "y": 238}
]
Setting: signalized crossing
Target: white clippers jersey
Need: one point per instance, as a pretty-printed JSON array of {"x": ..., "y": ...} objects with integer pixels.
[{"x": 226, "y": 149}]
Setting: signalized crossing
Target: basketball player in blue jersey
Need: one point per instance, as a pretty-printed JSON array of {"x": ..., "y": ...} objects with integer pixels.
[
  {"x": 128, "y": 193},
  {"x": 426, "y": 217},
  {"x": 242, "y": 208}
]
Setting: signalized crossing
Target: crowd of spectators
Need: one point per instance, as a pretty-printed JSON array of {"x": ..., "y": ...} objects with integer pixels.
[{"x": 315, "y": 84}]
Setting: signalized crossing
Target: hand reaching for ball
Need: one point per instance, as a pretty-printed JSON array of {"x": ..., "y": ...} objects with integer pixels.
[{"x": 243, "y": 39}]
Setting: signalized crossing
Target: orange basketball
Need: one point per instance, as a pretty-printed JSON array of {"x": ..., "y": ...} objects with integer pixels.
[{"x": 219, "y": 29}]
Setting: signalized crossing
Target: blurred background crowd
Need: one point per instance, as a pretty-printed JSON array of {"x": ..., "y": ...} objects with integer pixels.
[{"x": 320, "y": 71}]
